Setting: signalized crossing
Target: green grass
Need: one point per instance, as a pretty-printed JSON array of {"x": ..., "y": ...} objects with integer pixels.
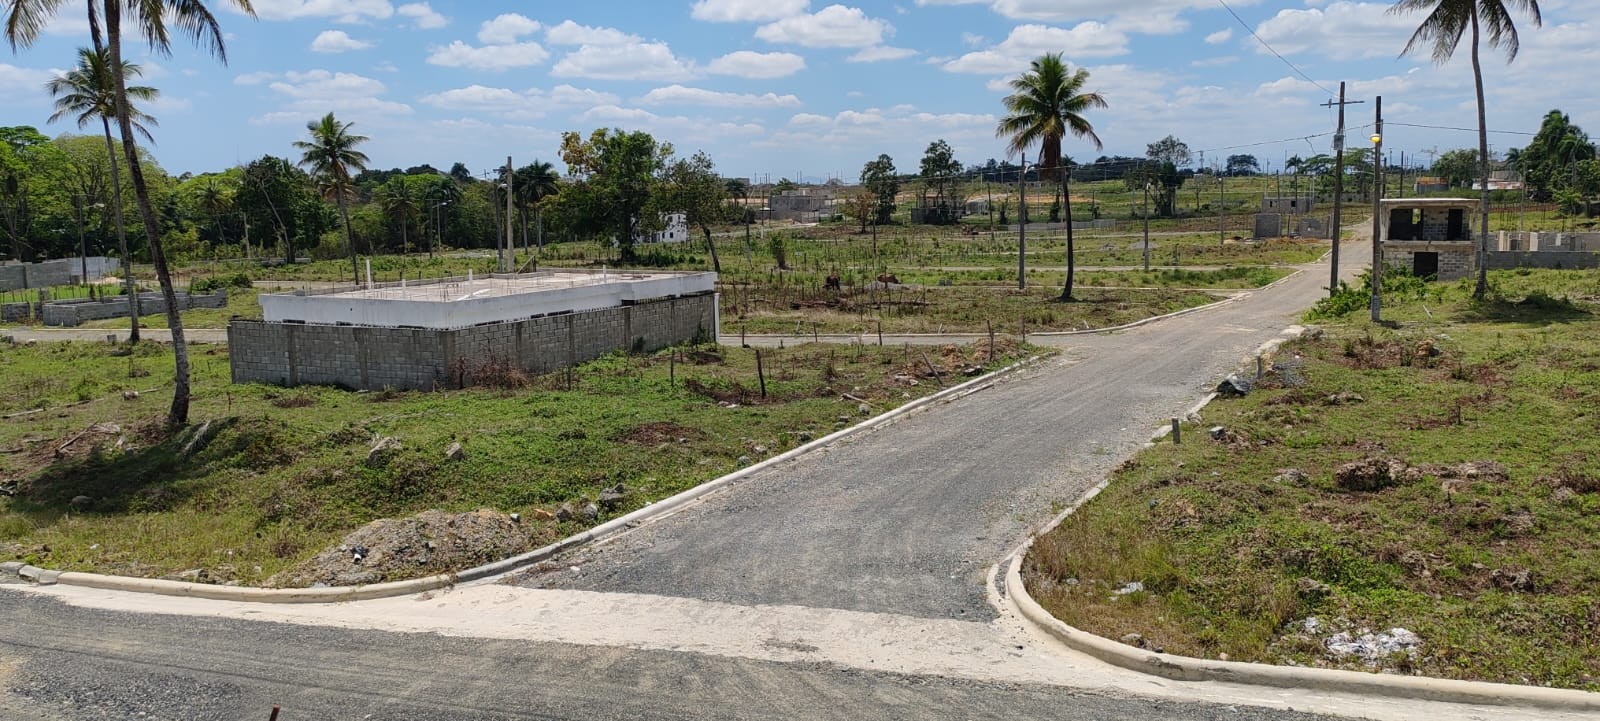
[
  {"x": 801, "y": 305},
  {"x": 1231, "y": 551},
  {"x": 285, "y": 476}
]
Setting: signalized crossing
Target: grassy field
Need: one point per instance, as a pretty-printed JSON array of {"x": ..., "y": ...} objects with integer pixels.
[
  {"x": 285, "y": 472},
  {"x": 1476, "y": 526}
]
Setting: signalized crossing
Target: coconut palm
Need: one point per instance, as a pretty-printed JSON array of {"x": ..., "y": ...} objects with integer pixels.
[
  {"x": 330, "y": 155},
  {"x": 1447, "y": 21},
  {"x": 400, "y": 200},
  {"x": 1046, "y": 104},
  {"x": 88, "y": 93},
  {"x": 150, "y": 20},
  {"x": 535, "y": 182}
]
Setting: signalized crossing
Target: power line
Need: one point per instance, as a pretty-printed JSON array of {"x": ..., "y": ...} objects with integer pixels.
[
  {"x": 1269, "y": 48},
  {"x": 1464, "y": 130}
]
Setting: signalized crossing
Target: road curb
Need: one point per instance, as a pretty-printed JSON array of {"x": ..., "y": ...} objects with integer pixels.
[
  {"x": 1183, "y": 668},
  {"x": 638, "y": 517},
  {"x": 1186, "y": 311}
]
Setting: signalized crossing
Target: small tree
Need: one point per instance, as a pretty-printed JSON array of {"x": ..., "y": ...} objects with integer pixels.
[{"x": 878, "y": 177}]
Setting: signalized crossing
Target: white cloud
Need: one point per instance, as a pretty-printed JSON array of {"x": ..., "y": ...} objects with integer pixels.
[
  {"x": 1219, "y": 37},
  {"x": 741, "y": 11},
  {"x": 631, "y": 61},
  {"x": 973, "y": 40},
  {"x": 423, "y": 16},
  {"x": 680, "y": 128},
  {"x": 528, "y": 104},
  {"x": 1341, "y": 31},
  {"x": 23, "y": 83},
  {"x": 1216, "y": 62},
  {"x": 880, "y": 53},
  {"x": 566, "y": 95},
  {"x": 1026, "y": 42},
  {"x": 834, "y": 26},
  {"x": 489, "y": 57},
  {"x": 680, "y": 95},
  {"x": 477, "y": 97},
  {"x": 757, "y": 66},
  {"x": 337, "y": 41},
  {"x": 253, "y": 78},
  {"x": 506, "y": 29},
  {"x": 571, "y": 33},
  {"x": 314, "y": 93},
  {"x": 344, "y": 11}
]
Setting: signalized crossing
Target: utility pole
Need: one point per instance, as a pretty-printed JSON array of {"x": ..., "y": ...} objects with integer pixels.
[
  {"x": 507, "y": 258},
  {"x": 1377, "y": 221},
  {"x": 1335, "y": 231},
  {"x": 1022, "y": 223}
]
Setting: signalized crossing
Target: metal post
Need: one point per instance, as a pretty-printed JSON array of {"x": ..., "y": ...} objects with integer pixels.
[
  {"x": 1377, "y": 224},
  {"x": 1022, "y": 224},
  {"x": 1147, "y": 225},
  {"x": 510, "y": 239},
  {"x": 1222, "y": 212}
]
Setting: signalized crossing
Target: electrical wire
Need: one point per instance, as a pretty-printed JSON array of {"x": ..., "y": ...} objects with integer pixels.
[
  {"x": 1464, "y": 130},
  {"x": 1270, "y": 49}
]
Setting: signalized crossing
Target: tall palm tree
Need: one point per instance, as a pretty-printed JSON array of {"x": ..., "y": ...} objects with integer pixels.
[
  {"x": 25, "y": 19},
  {"x": 1447, "y": 21},
  {"x": 330, "y": 155},
  {"x": 399, "y": 199},
  {"x": 1046, "y": 104},
  {"x": 535, "y": 182},
  {"x": 88, "y": 92}
]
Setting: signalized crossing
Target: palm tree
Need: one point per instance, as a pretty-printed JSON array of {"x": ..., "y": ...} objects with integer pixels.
[
  {"x": 88, "y": 93},
  {"x": 23, "y": 22},
  {"x": 1046, "y": 104},
  {"x": 399, "y": 200},
  {"x": 1447, "y": 21},
  {"x": 535, "y": 182},
  {"x": 330, "y": 155}
]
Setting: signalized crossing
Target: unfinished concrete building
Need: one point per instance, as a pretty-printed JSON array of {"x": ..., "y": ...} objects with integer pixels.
[
  {"x": 451, "y": 333},
  {"x": 1431, "y": 237}
]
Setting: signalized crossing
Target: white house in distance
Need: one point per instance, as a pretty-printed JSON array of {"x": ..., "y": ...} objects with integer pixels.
[{"x": 675, "y": 230}]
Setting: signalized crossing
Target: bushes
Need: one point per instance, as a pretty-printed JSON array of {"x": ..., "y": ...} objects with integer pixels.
[
  {"x": 215, "y": 283},
  {"x": 1397, "y": 283}
]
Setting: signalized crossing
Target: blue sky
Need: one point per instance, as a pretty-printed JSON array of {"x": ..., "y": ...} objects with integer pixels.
[{"x": 784, "y": 87}]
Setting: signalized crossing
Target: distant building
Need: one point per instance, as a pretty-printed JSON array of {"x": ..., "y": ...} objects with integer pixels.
[
  {"x": 1431, "y": 237},
  {"x": 805, "y": 205},
  {"x": 1431, "y": 185},
  {"x": 1292, "y": 205},
  {"x": 675, "y": 230}
]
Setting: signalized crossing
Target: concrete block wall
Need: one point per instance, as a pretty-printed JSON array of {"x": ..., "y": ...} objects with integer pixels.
[
  {"x": 1570, "y": 260},
  {"x": 1455, "y": 258},
  {"x": 65, "y": 271},
  {"x": 1436, "y": 226},
  {"x": 373, "y": 358},
  {"x": 70, "y": 313}
]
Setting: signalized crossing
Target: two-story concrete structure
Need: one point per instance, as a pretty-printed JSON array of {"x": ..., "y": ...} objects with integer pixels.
[{"x": 1431, "y": 237}]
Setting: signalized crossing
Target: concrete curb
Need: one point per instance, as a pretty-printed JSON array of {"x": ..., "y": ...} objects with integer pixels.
[
  {"x": 1183, "y": 668},
  {"x": 1236, "y": 297},
  {"x": 663, "y": 507}
]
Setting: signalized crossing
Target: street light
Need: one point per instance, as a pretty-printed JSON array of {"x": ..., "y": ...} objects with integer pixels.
[{"x": 438, "y": 224}]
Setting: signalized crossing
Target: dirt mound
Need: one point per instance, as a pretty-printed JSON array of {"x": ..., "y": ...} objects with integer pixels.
[
  {"x": 651, "y": 434},
  {"x": 1374, "y": 474},
  {"x": 395, "y": 549}
]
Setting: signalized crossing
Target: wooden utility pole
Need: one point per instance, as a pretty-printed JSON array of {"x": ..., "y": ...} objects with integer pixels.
[{"x": 1335, "y": 231}]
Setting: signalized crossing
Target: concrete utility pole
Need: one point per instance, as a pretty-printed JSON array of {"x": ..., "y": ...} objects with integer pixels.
[
  {"x": 1147, "y": 225},
  {"x": 1222, "y": 211},
  {"x": 1022, "y": 223},
  {"x": 1338, "y": 189},
  {"x": 1377, "y": 222},
  {"x": 508, "y": 255}
]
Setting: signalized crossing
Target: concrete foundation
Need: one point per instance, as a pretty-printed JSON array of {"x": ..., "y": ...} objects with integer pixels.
[{"x": 375, "y": 358}]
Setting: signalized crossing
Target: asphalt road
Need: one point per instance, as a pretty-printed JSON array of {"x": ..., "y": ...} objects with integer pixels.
[
  {"x": 908, "y": 518},
  {"x": 65, "y": 663},
  {"x": 901, "y": 522}
]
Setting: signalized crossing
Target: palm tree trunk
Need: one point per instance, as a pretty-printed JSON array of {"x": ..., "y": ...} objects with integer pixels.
[
  {"x": 178, "y": 414},
  {"x": 1066, "y": 204},
  {"x": 349, "y": 238},
  {"x": 122, "y": 237},
  {"x": 1482, "y": 251}
]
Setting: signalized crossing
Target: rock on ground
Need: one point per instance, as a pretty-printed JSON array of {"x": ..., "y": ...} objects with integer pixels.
[{"x": 395, "y": 549}]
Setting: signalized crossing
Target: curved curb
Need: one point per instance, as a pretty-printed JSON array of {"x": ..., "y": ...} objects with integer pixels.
[
  {"x": 45, "y": 577},
  {"x": 1184, "y": 668}
]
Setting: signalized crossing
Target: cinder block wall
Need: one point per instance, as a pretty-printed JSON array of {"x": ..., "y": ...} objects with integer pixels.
[
  {"x": 370, "y": 358},
  {"x": 69, "y": 313},
  {"x": 1570, "y": 260}
]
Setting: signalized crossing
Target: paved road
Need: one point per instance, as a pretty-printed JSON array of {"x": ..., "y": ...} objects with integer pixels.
[
  {"x": 846, "y": 585},
  {"x": 907, "y": 519}
]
